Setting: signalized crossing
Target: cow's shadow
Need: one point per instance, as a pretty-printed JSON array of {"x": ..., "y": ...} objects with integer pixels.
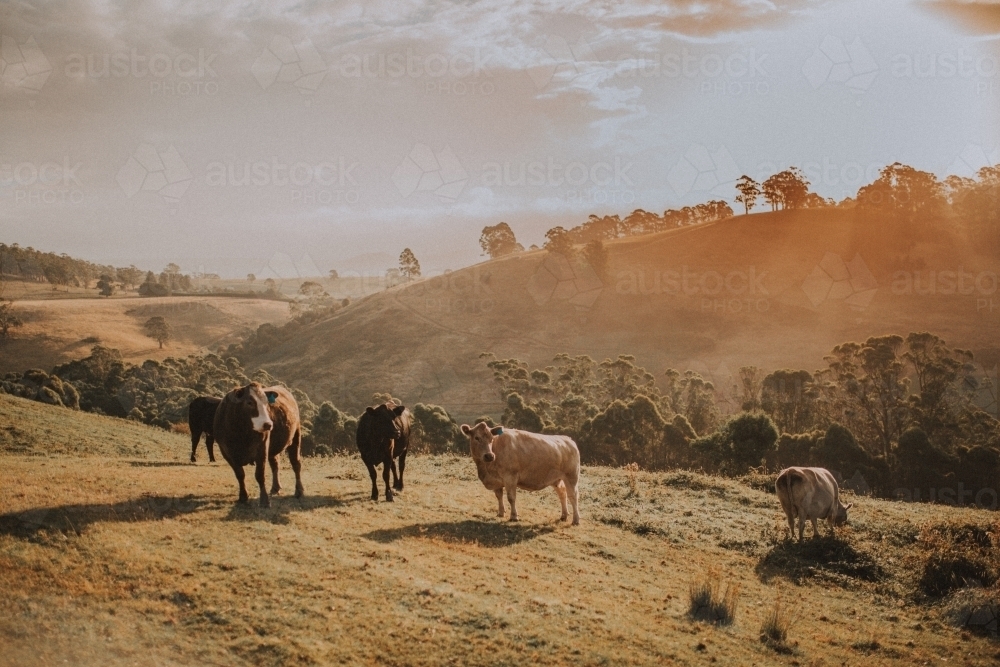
[
  {"x": 830, "y": 558},
  {"x": 485, "y": 533},
  {"x": 283, "y": 506},
  {"x": 75, "y": 518}
]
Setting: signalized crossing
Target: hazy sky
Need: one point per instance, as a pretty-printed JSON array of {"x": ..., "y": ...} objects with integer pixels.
[{"x": 229, "y": 136}]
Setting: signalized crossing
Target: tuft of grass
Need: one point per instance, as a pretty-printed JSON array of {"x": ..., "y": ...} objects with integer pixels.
[
  {"x": 180, "y": 427},
  {"x": 775, "y": 627},
  {"x": 709, "y": 600},
  {"x": 957, "y": 555},
  {"x": 632, "y": 478}
]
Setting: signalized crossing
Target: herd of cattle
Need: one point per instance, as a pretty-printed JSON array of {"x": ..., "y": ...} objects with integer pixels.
[{"x": 254, "y": 424}]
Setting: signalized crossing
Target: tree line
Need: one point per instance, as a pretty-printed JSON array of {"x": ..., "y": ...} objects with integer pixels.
[{"x": 901, "y": 412}]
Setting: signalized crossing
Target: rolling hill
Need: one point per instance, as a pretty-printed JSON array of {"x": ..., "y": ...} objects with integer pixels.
[
  {"x": 57, "y": 330},
  {"x": 773, "y": 289},
  {"x": 115, "y": 551}
]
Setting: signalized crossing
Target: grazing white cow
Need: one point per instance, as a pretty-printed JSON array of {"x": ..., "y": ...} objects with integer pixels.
[
  {"x": 507, "y": 458},
  {"x": 810, "y": 494}
]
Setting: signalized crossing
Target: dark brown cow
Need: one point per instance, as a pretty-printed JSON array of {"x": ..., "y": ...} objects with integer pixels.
[
  {"x": 383, "y": 435},
  {"x": 201, "y": 419},
  {"x": 254, "y": 424}
]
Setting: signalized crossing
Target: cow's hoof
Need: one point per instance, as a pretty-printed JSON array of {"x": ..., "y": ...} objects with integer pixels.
[
  {"x": 193, "y": 460},
  {"x": 299, "y": 492},
  {"x": 398, "y": 487},
  {"x": 514, "y": 518},
  {"x": 211, "y": 460},
  {"x": 576, "y": 521},
  {"x": 275, "y": 490},
  {"x": 375, "y": 497},
  {"x": 564, "y": 517},
  {"x": 243, "y": 500},
  {"x": 265, "y": 501}
]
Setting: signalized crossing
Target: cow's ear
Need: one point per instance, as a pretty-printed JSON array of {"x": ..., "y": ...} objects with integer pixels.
[
  {"x": 466, "y": 429},
  {"x": 272, "y": 396},
  {"x": 370, "y": 409},
  {"x": 241, "y": 392},
  {"x": 398, "y": 410},
  {"x": 497, "y": 430}
]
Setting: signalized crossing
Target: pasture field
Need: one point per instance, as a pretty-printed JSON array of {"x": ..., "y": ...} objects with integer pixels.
[
  {"x": 116, "y": 551},
  {"x": 59, "y": 330}
]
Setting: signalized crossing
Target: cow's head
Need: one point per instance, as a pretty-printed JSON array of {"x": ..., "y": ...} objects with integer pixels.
[
  {"x": 385, "y": 425},
  {"x": 841, "y": 516},
  {"x": 481, "y": 440},
  {"x": 253, "y": 402}
]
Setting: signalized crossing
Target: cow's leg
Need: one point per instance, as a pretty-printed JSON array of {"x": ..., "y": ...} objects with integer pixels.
[
  {"x": 573, "y": 489},
  {"x": 815, "y": 528},
  {"x": 500, "y": 511},
  {"x": 373, "y": 475},
  {"x": 512, "y": 499},
  {"x": 790, "y": 517},
  {"x": 259, "y": 475},
  {"x": 275, "y": 486},
  {"x": 402, "y": 466},
  {"x": 210, "y": 443},
  {"x": 395, "y": 477},
  {"x": 802, "y": 524},
  {"x": 560, "y": 488},
  {"x": 195, "y": 437},
  {"x": 294, "y": 451},
  {"x": 241, "y": 480},
  {"x": 386, "y": 467}
]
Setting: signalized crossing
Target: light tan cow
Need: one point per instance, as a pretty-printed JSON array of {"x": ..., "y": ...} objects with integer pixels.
[
  {"x": 810, "y": 494},
  {"x": 510, "y": 459}
]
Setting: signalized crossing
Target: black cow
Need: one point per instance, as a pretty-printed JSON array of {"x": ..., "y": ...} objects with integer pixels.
[
  {"x": 383, "y": 435},
  {"x": 201, "y": 415}
]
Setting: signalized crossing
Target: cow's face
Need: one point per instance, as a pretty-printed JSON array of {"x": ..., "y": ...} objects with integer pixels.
[
  {"x": 481, "y": 441},
  {"x": 384, "y": 423},
  {"x": 841, "y": 518},
  {"x": 253, "y": 401}
]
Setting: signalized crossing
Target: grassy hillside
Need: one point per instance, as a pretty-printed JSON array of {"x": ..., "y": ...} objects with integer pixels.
[
  {"x": 122, "y": 560},
  {"x": 753, "y": 296},
  {"x": 60, "y": 330}
]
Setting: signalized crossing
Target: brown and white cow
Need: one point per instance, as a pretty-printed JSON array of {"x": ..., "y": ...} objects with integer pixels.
[
  {"x": 809, "y": 494},
  {"x": 510, "y": 459},
  {"x": 254, "y": 424}
]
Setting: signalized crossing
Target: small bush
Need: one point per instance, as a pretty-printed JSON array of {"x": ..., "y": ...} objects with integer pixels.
[
  {"x": 958, "y": 555},
  {"x": 180, "y": 427},
  {"x": 709, "y": 601},
  {"x": 774, "y": 629}
]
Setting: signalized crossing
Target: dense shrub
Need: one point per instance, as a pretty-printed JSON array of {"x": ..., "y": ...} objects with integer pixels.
[
  {"x": 743, "y": 442},
  {"x": 38, "y": 385},
  {"x": 958, "y": 555},
  {"x": 434, "y": 430}
]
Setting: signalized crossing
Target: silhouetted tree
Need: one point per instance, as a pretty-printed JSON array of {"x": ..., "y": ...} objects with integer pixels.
[
  {"x": 106, "y": 285},
  {"x": 749, "y": 190},
  {"x": 498, "y": 240},
  {"x": 8, "y": 319},
  {"x": 597, "y": 256},
  {"x": 558, "y": 241},
  {"x": 408, "y": 264},
  {"x": 157, "y": 328}
]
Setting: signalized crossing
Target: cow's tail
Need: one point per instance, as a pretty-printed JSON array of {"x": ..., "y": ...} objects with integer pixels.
[{"x": 790, "y": 477}]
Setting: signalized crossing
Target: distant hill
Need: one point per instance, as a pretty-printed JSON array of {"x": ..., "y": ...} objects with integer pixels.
[{"x": 772, "y": 289}]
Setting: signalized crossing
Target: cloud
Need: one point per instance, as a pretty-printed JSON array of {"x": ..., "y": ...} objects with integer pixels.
[{"x": 978, "y": 17}]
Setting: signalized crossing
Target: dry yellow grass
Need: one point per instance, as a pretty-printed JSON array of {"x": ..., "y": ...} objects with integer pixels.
[
  {"x": 59, "y": 330},
  {"x": 144, "y": 559}
]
